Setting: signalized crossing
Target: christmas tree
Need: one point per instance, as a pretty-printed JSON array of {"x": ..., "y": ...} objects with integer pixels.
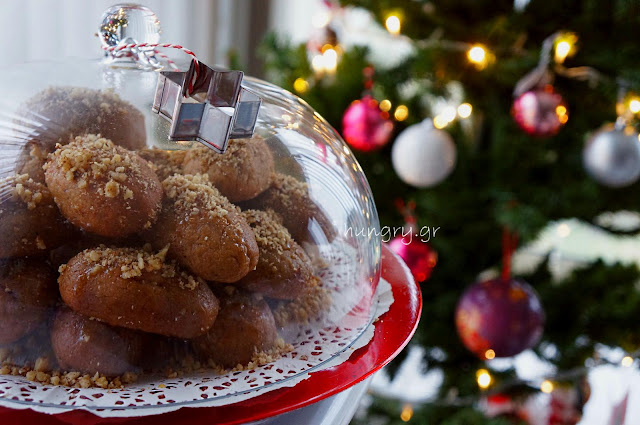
[{"x": 520, "y": 89}]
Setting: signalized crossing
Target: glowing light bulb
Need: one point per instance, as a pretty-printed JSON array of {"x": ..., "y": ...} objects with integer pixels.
[
  {"x": 464, "y": 110},
  {"x": 407, "y": 413},
  {"x": 489, "y": 354},
  {"x": 562, "y": 110},
  {"x": 385, "y": 105},
  {"x": 440, "y": 122},
  {"x": 449, "y": 113},
  {"x": 401, "y": 113},
  {"x": 301, "y": 85},
  {"x": 562, "y": 51},
  {"x": 546, "y": 386},
  {"x": 565, "y": 46},
  {"x": 634, "y": 105},
  {"x": 478, "y": 56},
  {"x": 330, "y": 57},
  {"x": 393, "y": 24},
  {"x": 484, "y": 378},
  {"x": 317, "y": 63},
  {"x": 627, "y": 361}
]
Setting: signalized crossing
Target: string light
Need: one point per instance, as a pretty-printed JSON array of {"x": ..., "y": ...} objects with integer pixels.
[
  {"x": 401, "y": 113},
  {"x": 546, "y": 386},
  {"x": 565, "y": 46},
  {"x": 301, "y": 85},
  {"x": 479, "y": 56},
  {"x": 317, "y": 63},
  {"x": 561, "y": 112},
  {"x": 449, "y": 113},
  {"x": 330, "y": 59},
  {"x": 325, "y": 62},
  {"x": 562, "y": 50},
  {"x": 484, "y": 378},
  {"x": 385, "y": 105},
  {"x": 393, "y": 24},
  {"x": 407, "y": 413},
  {"x": 627, "y": 361},
  {"x": 489, "y": 354},
  {"x": 634, "y": 105},
  {"x": 464, "y": 110},
  {"x": 440, "y": 122}
]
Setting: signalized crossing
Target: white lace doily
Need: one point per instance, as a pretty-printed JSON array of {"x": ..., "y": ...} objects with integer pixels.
[{"x": 347, "y": 327}]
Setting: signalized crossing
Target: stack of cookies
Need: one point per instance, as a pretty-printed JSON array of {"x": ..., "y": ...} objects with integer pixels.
[{"x": 118, "y": 251}]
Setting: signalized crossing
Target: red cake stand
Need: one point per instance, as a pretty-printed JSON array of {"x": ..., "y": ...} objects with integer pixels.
[{"x": 393, "y": 331}]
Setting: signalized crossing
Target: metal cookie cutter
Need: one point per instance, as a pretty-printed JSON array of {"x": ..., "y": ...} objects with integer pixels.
[{"x": 206, "y": 104}]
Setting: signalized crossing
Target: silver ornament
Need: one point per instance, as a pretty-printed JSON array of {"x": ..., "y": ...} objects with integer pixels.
[
  {"x": 129, "y": 23},
  {"x": 612, "y": 157},
  {"x": 422, "y": 155}
]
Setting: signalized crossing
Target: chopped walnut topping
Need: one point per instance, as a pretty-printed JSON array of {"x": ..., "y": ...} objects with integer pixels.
[
  {"x": 289, "y": 189},
  {"x": 91, "y": 157},
  {"x": 231, "y": 158},
  {"x": 193, "y": 192},
  {"x": 270, "y": 234},
  {"x": 23, "y": 188},
  {"x": 111, "y": 189},
  {"x": 132, "y": 263},
  {"x": 165, "y": 163},
  {"x": 40, "y": 243}
]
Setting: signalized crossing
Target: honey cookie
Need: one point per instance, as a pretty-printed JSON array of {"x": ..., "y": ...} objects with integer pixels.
[
  {"x": 87, "y": 345},
  {"x": 205, "y": 232},
  {"x": 304, "y": 219},
  {"x": 68, "y": 112},
  {"x": 284, "y": 269},
  {"x": 137, "y": 289},
  {"x": 28, "y": 291},
  {"x": 83, "y": 240},
  {"x": 30, "y": 222},
  {"x": 31, "y": 159},
  {"x": 165, "y": 163},
  {"x": 103, "y": 188},
  {"x": 242, "y": 172},
  {"x": 245, "y": 327}
]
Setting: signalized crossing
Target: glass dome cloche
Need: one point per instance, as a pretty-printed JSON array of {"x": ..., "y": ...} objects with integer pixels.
[{"x": 132, "y": 252}]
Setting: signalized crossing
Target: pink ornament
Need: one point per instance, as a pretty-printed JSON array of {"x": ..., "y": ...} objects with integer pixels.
[
  {"x": 364, "y": 126},
  {"x": 540, "y": 113},
  {"x": 500, "y": 315},
  {"x": 418, "y": 255}
]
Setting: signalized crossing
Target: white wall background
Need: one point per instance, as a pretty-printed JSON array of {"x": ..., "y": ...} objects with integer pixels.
[
  {"x": 45, "y": 29},
  {"x": 293, "y": 17}
]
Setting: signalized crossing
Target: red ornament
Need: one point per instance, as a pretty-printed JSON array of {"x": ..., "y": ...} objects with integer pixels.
[
  {"x": 540, "y": 112},
  {"x": 418, "y": 255},
  {"x": 503, "y": 315},
  {"x": 365, "y": 126}
]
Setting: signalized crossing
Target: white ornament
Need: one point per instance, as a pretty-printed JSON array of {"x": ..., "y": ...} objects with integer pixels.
[
  {"x": 422, "y": 155},
  {"x": 612, "y": 157}
]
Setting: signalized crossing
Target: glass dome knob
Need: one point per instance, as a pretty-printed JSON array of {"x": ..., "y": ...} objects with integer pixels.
[{"x": 129, "y": 23}]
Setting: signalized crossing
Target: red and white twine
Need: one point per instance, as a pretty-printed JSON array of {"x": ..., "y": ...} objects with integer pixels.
[{"x": 125, "y": 49}]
